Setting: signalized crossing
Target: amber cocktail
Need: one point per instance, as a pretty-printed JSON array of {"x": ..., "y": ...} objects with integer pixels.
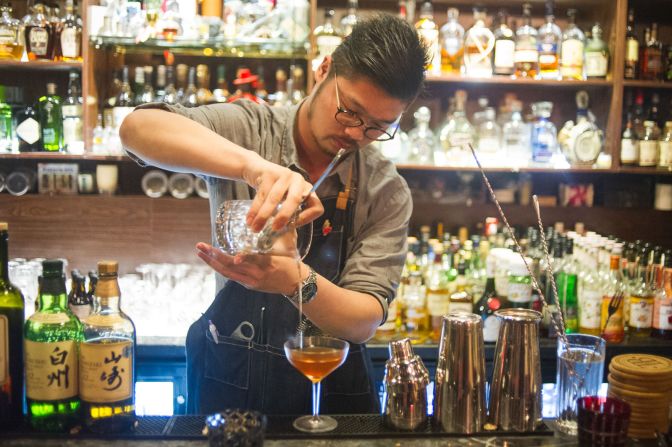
[{"x": 316, "y": 358}]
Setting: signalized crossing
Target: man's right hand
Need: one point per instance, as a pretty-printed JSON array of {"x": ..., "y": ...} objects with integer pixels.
[{"x": 279, "y": 185}]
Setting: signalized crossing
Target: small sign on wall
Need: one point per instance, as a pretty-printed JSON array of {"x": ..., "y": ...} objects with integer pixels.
[{"x": 57, "y": 178}]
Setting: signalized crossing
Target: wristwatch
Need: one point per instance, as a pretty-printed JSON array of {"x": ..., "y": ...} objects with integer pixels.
[{"x": 308, "y": 289}]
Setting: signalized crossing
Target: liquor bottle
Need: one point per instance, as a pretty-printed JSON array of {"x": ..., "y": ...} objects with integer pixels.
[
  {"x": 452, "y": 43},
  {"x": 489, "y": 145},
  {"x": 479, "y": 43},
  {"x": 6, "y": 139},
  {"x": 631, "y": 48},
  {"x": 70, "y": 39},
  {"x": 590, "y": 295},
  {"x": 422, "y": 141},
  {"x": 170, "y": 96},
  {"x": 327, "y": 37},
  {"x": 203, "y": 94},
  {"x": 438, "y": 294},
  {"x": 28, "y": 131},
  {"x": 189, "y": 99},
  {"x": 638, "y": 115},
  {"x": 457, "y": 132},
  {"x": 296, "y": 88},
  {"x": 415, "y": 318},
  {"x": 516, "y": 137},
  {"x": 544, "y": 138},
  {"x": 596, "y": 55},
  {"x": 652, "y": 54},
  {"x": 571, "y": 50},
  {"x": 613, "y": 330},
  {"x": 662, "y": 306},
  {"x": 520, "y": 283},
  {"x": 629, "y": 144},
  {"x": 260, "y": 85},
  {"x": 93, "y": 282},
  {"x": 107, "y": 359},
  {"x": 567, "y": 282},
  {"x": 526, "y": 56},
  {"x": 505, "y": 46},
  {"x": 11, "y": 47},
  {"x": 49, "y": 110},
  {"x": 488, "y": 304},
  {"x": 73, "y": 137},
  {"x": 138, "y": 85},
  {"x": 11, "y": 333},
  {"x": 160, "y": 90},
  {"x": 665, "y": 146},
  {"x": 124, "y": 102},
  {"x": 98, "y": 143},
  {"x": 648, "y": 145},
  {"x": 350, "y": 19},
  {"x": 549, "y": 40},
  {"x": 51, "y": 337},
  {"x": 39, "y": 36},
  {"x": 429, "y": 33},
  {"x": 79, "y": 301},
  {"x": 641, "y": 298},
  {"x": 654, "y": 111},
  {"x": 181, "y": 72},
  {"x": 221, "y": 93}
]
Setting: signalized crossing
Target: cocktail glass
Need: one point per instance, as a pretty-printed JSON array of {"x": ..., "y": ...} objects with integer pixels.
[{"x": 316, "y": 358}]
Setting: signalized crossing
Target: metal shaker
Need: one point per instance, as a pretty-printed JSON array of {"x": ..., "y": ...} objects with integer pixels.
[
  {"x": 459, "y": 390},
  {"x": 515, "y": 391},
  {"x": 406, "y": 380}
]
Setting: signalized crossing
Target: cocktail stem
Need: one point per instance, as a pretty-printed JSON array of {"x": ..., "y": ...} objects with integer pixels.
[{"x": 316, "y": 400}]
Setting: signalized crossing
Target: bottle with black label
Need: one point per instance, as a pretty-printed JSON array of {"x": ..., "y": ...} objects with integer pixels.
[{"x": 28, "y": 131}]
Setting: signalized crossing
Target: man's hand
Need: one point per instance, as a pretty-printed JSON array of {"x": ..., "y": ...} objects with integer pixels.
[
  {"x": 276, "y": 184},
  {"x": 264, "y": 273}
]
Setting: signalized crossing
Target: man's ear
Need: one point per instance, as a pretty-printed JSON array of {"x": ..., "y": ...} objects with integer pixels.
[{"x": 323, "y": 69}]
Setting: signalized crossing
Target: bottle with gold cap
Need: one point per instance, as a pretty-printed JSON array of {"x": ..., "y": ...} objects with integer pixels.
[
  {"x": 52, "y": 335},
  {"x": 107, "y": 359},
  {"x": 11, "y": 341}
]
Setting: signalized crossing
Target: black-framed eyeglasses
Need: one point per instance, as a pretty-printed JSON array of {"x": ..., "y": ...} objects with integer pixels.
[{"x": 349, "y": 118}]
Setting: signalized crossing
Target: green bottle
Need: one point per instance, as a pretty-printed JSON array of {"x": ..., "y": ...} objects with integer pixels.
[
  {"x": 49, "y": 110},
  {"x": 11, "y": 342},
  {"x": 52, "y": 337},
  {"x": 567, "y": 284},
  {"x": 5, "y": 123}
]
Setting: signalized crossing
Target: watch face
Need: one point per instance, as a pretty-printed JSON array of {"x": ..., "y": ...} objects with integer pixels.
[{"x": 308, "y": 292}]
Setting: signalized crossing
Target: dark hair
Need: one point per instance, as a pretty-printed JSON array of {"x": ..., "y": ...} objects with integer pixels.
[{"x": 387, "y": 50}]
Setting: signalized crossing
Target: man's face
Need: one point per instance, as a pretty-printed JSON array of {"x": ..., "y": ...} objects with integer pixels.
[{"x": 358, "y": 96}]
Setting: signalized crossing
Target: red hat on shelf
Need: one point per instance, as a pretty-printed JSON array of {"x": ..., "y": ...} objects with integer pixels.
[{"x": 245, "y": 76}]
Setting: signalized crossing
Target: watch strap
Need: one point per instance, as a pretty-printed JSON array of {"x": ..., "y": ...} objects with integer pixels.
[{"x": 308, "y": 289}]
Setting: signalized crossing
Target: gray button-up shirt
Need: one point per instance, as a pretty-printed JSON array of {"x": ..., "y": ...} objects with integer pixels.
[{"x": 376, "y": 249}]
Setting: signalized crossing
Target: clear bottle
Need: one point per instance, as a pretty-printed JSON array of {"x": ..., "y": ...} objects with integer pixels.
[
  {"x": 516, "y": 137},
  {"x": 590, "y": 290},
  {"x": 629, "y": 144},
  {"x": 39, "y": 35},
  {"x": 490, "y": 139},
  {"x": 73, "y": 135},
  {"x": 99, "y": 143},
  {"x": 429, "y": 33},
  {"x": 124, "y": 103},
  {"x": 648, "y": 145},
  {"x": 652, "y": 56},
  {"x": 107, "y": 359},
  {"x": 12, "y": 313},
  {"x": 416, "y": 316},
  {"x": 631, "y": 70},
  {"x": 221, "y": 93},
  {"x": 6, "y": 131},
  {"x": 544, "y": 138},
  {"x": 457, "y": 133},
  {"x": 70, "y": 37},
  {"x": 181, "y": 76},
  {"x": 452, "y": 43},
  {"x": 11, "y": 47},
  {"x": 505, "y": 46},
  {"x": 479, "y": 43},
  {"x": 49, "y": 109},
  {"x": 421, "y": 139},
  {"x": 203, "y": 94},
  {"x": 350, "y": 19},
  {"x": 613, "y": 330},
  {"x": 160, "y": 90},
  {"x": 170, "y": 96},
  {"x": 327, "y": 37},
  {"x": 438, "y": 294},
  {"x": 662, "y": 306},
  {"x": 526, "y": 56},
  {"x": 571, "y": 50},
  {"x": 146, "y": 95},
  {"x": 640, "y": 302},
  {"x": 52, "y": 335},
  {"x": 549, "y": 40},
  {"x": 665, "y": 146},
  {"x": 596, "y": 55},
  {"x": 189, "y": 99}
]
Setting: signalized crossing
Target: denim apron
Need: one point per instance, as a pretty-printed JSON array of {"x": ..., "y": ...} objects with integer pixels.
[{"x": 227, "y": 367}]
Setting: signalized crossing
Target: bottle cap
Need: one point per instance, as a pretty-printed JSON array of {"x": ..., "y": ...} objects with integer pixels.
[
  {"x": 107, "y": 268},
  {"x": 4, "y": 226},
  {"x": 52, "y": 268}
]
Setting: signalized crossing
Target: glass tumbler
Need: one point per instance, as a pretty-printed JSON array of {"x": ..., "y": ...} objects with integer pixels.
[{"x": 603, "y": 421}]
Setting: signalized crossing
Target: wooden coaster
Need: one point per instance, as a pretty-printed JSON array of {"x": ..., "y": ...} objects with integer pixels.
[
  {"x": 643, "y": 365},
  {"x": 639, "y": 381},
  {"x": 625, "y": 384},
  {"x": 640, "y": 395}
]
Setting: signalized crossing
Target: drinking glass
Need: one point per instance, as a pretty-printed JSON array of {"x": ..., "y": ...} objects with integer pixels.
[
  {"x": 316, "y": 358},
  {"x": 603, "y": 421},
  {"x": 107, "y": 177},
  {"x": 580, "y": 371}
]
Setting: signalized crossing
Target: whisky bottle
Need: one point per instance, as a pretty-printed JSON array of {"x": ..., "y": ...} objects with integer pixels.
[
  {"x": 526, "y": 56},
  {"x": 571, "y": 50},
  {"x": 39, "y": 36},
  {"x": 631, "y": 48},
  {"x": 51, "y": 336},
  {"x": 596, "y": 55},
  {"x": 652, "y": 54},
  {"x": 79, "y": 301},
  {"x": 11, "y": 337},
  {"x": 550, "y": 37},
  {"x": 73, "y": 138},
  {"x": 429, "y": 33},
  {"x": 10, "y": 41},
  {"x": 479, "y": 43},
  {"x": 505, "y": 46},
  {"x": 49, "y": 110},
  {"x": 640, "y": 303},
  {"x": 70, "y": 36},
  {"x": 613, "y": 329},
  {"x": 107, "y": 359},
  {"x": 648, "y": 145},
  {"x": 629, "y": 144},
  {"x": 452, "y": 43}
]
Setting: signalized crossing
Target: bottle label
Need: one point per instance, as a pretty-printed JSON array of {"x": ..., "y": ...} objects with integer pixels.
[
  {"x": 49, "y": 136},
  {"x": 491, "y": 328},
  {"x": 662, "y": 314},
  {"x": 327, "y": 44},
  {"x": 72, "y": 130},
  {"x": 665, "y": 160},
  {"x": 4, "y": 349},
  {"x": 648, "y": 151},
  {"x": 29, "y": 131},
  {"x": 106, "y": 371},
  {"x": 571, "y": 59},
  {"x": 504, "y": 51},
  {"x": 39, "y": 40},
  {"x": 45, "y": 318},
  {"x": 596, "y": 64},
  {"x": 452, "y": 46},
  {"x": 590, "y": 305},
  {"x": 614, "y": 330},
  {"x": 641, "y": 312},
  {"x": 51, "y": 370},
  {"x": 519, "y": 292},
  {"x": 632, "y": 50},
  {"x": 437, "y": 303},
  {"x": 70, "y": 43},
  {"x": 523, "y": 55},
  {"x": 629, "y": 151},
  {"x": 459, "y": 306}
]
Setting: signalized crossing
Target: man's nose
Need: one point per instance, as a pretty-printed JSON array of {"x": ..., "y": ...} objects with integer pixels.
[{"x": 355, "y": 133}]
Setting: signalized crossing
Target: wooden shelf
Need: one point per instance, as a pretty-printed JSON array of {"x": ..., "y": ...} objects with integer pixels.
[
  {"x": 504, "y": 80},
  {"x": 622, "y": 170},
  {"x": 62, "y": 156},
  {"x": 647, "y": 84},
  {"x": 41, "y": 65}
]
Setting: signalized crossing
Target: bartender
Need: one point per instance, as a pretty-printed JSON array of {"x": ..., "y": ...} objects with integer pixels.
[{"x": 360, "y": 216}]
